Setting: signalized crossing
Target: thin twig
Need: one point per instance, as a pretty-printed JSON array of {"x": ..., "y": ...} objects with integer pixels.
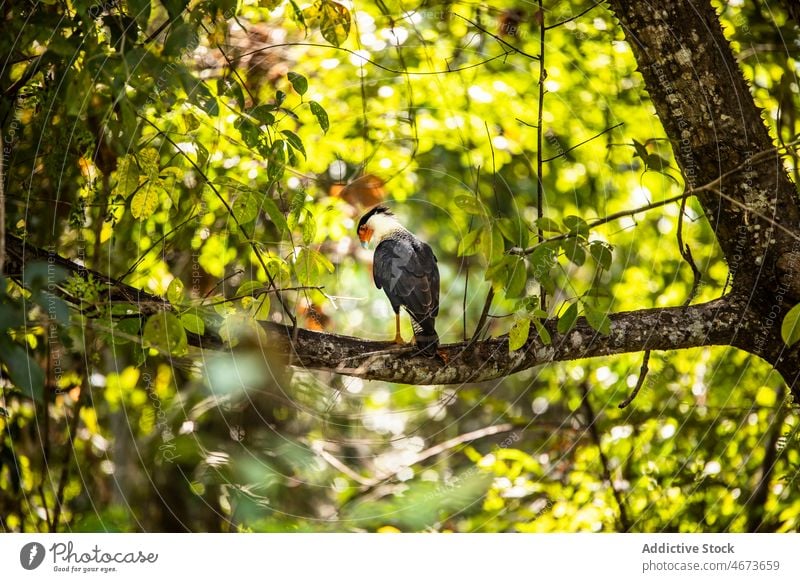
[
  {"x": 2, "y": 211},
  {"x": 499, "y": 39},
  {"x": 640, "y": 382},
  {"x": 69, "y": 452},
  {"x": 264, "y": 290},
  {"x": 539, "y": 146},
  {"x": 758, "y": 499},
  {"x": 710, "y": 187},
  {"x": 591, "y": 425},
  {"x": 571, "y": 18},
  {"x": 686, "y": 253},
  {"x": 377, "y": 64},
  {"x": 484, "y": 314},
  {"x": 584, "y": 142}
]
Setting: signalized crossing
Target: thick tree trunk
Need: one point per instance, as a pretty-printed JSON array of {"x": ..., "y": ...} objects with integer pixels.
[{"x": 715, "y": 127}]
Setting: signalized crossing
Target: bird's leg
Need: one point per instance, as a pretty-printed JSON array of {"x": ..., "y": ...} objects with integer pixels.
[{"x": 398, "y": 339}]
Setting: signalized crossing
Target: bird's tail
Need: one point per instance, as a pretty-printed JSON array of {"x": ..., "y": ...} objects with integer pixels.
[{"x": 425, "y": 335}]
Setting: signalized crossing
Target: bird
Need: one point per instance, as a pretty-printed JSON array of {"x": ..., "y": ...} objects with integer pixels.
[{"x": 406, "y": 269}]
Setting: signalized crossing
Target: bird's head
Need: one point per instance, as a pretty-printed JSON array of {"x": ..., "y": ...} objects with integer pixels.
[{"x": 376, "y": 223}]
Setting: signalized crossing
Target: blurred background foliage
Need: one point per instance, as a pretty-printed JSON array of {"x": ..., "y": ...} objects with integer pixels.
[{"x": 201, "y": 150}]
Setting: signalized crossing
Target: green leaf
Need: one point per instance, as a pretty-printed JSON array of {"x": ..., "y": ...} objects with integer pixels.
[
  {"x": 514, "y": 230},
  {"x": 467, "y": 246},
  {"x": 310, "y": 264},
  {"x": 299, "y": 82},
  {"x": 245, "y": 207},
  {"x": 492, "y": 245},
  {"x": 601, "y": 253},
  {"x": 174, "y": 7},
  {"x": 309, "y": 228},
  {"x": 261, "y": 307},
  {"x": 182, "y": 38},
  {"x": 192, "y": 323},
  {"x": 517, "y": 277},
  {"x": 165, "y": 332},
  {"x": 597, "y": 319},
  {"x": 542, "y": 261},
  {"x": 656, "y": 163},
  {"x": 249, "y": 287},
  {"x": 568, "y": 318},
  {"x": 321, "y": 115},
  {"x": 469, "y": 204},
  {"x": 576, "y": 225},
  {"x": 790, "y": 328},
  {"x": 55, "y": 307},
  {"x": 140, "y": 11},
  {"x": 126, "y": 177},
  {"x": 276, "y": 216},
  {"x": 574, "y": 251},
  {"x": 144, "y": 202},
  {"x": 641, "y": 150},
  {"x": 498, "y": 272},
  {"x": 294, "y": 140},
  {"x": 41, "y": 275},
  {"x": 129, "y": 325},
  {"x": 541, "y": 330},
  {"x": 548, "y": 224},
  {"x": 23, "y": 371},
  {"x": 519, "y": 333},
  {"x": 334, "y": 21},
  {"x": 277, "y": 157},
  {"x": 175, "y": 291},
  {"x": 263, "y": 113}
]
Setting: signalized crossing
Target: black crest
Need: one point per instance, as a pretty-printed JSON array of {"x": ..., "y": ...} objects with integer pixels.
[{"x": 381, "y": 209}]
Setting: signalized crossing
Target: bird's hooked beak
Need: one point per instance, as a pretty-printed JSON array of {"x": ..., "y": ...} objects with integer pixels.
[{"x": 364, "y": 235}]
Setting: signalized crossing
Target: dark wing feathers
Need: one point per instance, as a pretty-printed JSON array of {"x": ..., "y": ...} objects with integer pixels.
[{"x": 405, "y": 268}]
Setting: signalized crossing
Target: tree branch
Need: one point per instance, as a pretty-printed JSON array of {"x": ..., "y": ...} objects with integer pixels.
[{"x": 670, "y": 328}]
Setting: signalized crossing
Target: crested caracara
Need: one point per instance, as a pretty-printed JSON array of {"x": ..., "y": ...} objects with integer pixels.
[{"x": 405, "y": 268}]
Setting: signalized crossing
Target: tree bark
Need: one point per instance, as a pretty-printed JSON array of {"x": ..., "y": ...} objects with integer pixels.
[{"x": 717, "y": 322}]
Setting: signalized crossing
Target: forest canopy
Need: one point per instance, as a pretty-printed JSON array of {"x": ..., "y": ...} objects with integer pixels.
[{"x": 190, "y": 335}]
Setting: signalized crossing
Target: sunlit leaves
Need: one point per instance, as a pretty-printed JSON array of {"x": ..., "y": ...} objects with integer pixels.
[
  {"x": 517, "y": 277},
  {"x": 519, "y": 333},
  {"x": 597, "y": 318},
  {"x": 299, "y": 82},
  {"x": 468, "y": 244},
  {"x": 790, "y": 328},
  {"x": 165, "y": 332},
  {"x": 322, "y": 116},
  {"x": 332, "y": 18},
  {"x": 246, "y": 206},
  {"x": 469, "y": 204},
  {"x": 175, "y": 292},
  {"x": 310, "y": 265},
  {"x": 601, "y": 253},
  {"x": 568, "y": 318},
  {"x": 126, "y": 177},
  {"x": 515, "y": 231},
  {"x": 294, "y": 141},
  {"x": 144, "y": 202},
  {"x": 192, "y": 323}
]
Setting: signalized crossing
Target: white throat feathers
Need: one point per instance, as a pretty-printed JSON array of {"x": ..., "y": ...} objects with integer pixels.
[{"x": 384, "y": 225}]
